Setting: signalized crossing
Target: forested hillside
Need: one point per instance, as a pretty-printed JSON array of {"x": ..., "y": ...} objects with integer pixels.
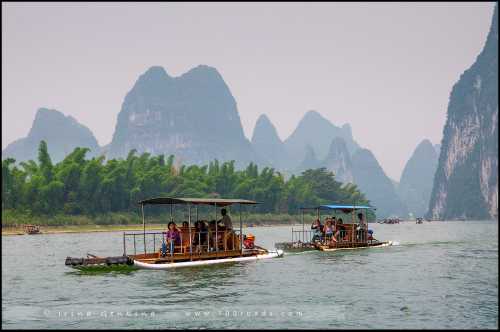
[{"x": 80, "y": 186}]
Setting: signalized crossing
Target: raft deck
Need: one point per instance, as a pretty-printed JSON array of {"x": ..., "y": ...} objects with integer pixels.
[
  {"x": 350, "y": 245},
  {"x": 156, "y": 258}
]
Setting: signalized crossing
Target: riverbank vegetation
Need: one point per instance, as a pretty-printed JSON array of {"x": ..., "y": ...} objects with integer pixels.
[
  {"x": 82, "y": 191},
  {"x": 15, "y": 219}
]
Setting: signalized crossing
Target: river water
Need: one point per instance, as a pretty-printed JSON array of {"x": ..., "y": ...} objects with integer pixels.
[{"x": 441, "y": 275}]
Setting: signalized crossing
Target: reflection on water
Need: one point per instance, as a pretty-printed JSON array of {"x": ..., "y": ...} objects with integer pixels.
[{"x": 442, "y": 275}]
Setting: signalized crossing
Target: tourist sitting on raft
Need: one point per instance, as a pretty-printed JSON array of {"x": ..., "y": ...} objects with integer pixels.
[
  {"x": 211, "y": 225},
  {"x": 317, "y": 231},
  {"x": 360, "y": 230},
  {"x": 201, "y": 233},
  {"x": 339, "y": 226},
  {"x": 172, "y": 238},
  {"x": 218, "y": 231},
  {"x": 226, "y": 220},
  {"x": 330, "y": 231}
]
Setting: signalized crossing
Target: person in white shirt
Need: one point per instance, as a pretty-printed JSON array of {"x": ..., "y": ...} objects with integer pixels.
[
  {"x": 361, "y": 227},
  {"x": 226, "y": 220}
]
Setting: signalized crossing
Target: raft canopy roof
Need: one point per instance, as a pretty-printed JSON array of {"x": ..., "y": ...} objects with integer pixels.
[
  {"x": 338, "y": 207},
  {"x": 195, "y": 201}
]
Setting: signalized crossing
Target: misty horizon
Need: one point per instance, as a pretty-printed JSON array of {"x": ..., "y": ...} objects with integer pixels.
[{"x": 276, "y": 69}]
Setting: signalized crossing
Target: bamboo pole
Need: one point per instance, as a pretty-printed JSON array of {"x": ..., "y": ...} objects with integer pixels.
[
  {"x": 144, "y": 227},
  {"x": 190, "y": 239},
  {"x": 303, "y": 224},
  {"x": 241, "y": 234},
  {"x": 216, "y": 239}
]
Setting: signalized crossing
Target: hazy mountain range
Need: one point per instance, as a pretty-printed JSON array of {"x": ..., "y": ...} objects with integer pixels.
[
  {"x": 195, "y": 117},
  {"x": 415, "y": 185},
  {"x": 192, "y": 116},
  {"x": 62, "y": 133}
]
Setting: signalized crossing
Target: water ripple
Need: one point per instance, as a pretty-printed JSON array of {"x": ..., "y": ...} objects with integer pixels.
[{"x": 442, "y": 275}]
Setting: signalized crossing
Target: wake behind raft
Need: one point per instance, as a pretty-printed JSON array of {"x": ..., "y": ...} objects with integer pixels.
[{"x": 206, "y": 243}]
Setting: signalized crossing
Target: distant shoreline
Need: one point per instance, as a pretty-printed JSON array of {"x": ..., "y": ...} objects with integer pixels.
[
  {"x": 94, "y": 228},
  {"x": 8, "y": 231}
]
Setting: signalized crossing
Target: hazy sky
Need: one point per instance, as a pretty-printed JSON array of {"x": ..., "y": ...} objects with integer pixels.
[{"x": 385, "y": 68}]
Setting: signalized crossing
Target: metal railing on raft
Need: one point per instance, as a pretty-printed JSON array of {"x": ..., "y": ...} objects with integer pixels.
[
  {"x": 304, "y": 236},
  {"x": 349, "y": 236},
  {"x": 343, "y": 236},
  {"x": 204, "y": 241}
]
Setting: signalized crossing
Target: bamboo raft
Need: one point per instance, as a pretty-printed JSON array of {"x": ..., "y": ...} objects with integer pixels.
[
  {"x": 212, "y": 245},
  {"x": 349, "y": 235},
  {"x": 31, "y": 229}
]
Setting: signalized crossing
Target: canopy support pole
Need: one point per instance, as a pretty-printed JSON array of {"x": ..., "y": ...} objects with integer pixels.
[
  {"x": 190, "y": 239},
  {"x": 303, "y": 225},
  {"x": 241, "y": 234},
  {"x": 319, "y": 216},
  {"x": 216, "y": 240},
  {"x": 365, "y": 220},
  {"x": 144, "y": 227},
  {"x": 353, "y": 235}
]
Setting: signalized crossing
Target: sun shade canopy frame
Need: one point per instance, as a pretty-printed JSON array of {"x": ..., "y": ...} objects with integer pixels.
[{"x": 196, "y": 201}]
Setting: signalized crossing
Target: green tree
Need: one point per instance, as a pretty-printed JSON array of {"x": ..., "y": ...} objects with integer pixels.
[
  {"x": 45, "y": 164},
  {"x": 77, "y": 185}
]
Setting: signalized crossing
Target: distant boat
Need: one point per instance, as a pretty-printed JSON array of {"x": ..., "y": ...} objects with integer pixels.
[
  {"x": 419, "y": 221},
  {"x": 390, "y": 221},
  {"x": 31, "y": 229}
]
